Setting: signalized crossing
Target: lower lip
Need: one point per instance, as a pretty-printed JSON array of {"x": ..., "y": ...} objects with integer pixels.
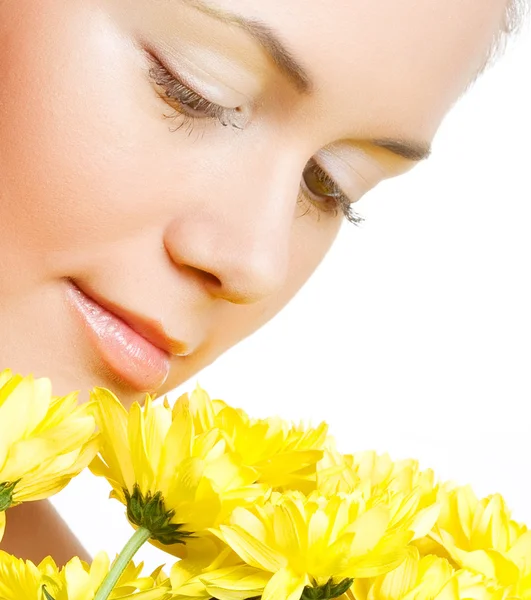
[{"x": 132, "y": 357}]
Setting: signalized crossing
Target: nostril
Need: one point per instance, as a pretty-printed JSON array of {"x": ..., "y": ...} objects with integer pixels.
[
  {"x": 204, "y": 276},
  {"x": 210, "y": 278}
]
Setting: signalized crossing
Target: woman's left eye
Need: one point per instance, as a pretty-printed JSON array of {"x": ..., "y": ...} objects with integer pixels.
[
  {"x": 321, "y": 191},
  {"x": 190, "y": 104}
]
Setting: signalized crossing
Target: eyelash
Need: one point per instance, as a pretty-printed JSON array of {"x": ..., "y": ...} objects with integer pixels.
[{"x": 193, "y": 107}]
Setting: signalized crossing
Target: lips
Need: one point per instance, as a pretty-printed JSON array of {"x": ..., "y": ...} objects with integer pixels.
[
  {"x": 149, "y": 329},
  {"x": 135, "y": 347}
]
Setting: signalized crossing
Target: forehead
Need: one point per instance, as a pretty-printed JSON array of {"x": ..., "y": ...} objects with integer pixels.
[{"x": 394, "y": 66}]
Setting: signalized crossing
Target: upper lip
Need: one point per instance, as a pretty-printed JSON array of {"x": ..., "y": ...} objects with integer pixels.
[{"x": 150, "y": 329}]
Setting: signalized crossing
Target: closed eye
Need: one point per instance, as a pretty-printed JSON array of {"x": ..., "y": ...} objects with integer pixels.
[
  {"x": 190, "y": 103},
  {"x": 320, "y": 190}
]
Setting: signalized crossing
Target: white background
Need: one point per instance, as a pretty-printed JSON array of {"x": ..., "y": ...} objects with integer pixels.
[{"x": 414, "y": 335}]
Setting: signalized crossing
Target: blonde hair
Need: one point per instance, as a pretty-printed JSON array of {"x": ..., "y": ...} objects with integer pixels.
[{"x": 515, "y": 17}]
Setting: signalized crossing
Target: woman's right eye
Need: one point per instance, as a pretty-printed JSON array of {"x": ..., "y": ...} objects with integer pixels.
[{"x": 190, "y": 104}]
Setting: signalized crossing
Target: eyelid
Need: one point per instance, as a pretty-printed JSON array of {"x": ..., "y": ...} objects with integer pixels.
[
  {"x": 198, "y": 79},
  {"x": 190, "y": 103},
  {"x": 380, "y": 162},
  {"x": 353, "y": 181},
  {"x": 329, "y": 177},
  {"x": 343, "y": 155},
  {"x": 174, "y": 80}
]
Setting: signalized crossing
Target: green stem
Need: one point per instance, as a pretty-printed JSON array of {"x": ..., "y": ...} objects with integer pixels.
[{"x": 140, "y": 537}]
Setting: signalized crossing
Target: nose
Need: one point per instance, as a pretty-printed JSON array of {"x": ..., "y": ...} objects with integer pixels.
[{"x": 236, "y": 235}]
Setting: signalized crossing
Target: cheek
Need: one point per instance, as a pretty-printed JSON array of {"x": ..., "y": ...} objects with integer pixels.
[
  {"x": 77, "y": 160},
  {"x": 87, "y": 162}
]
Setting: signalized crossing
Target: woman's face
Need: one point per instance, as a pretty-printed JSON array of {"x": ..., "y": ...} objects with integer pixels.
[{"x": 191, "y": 162}]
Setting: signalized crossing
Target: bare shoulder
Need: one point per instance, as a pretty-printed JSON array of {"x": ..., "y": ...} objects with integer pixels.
[{"x": 35, "y": 530}]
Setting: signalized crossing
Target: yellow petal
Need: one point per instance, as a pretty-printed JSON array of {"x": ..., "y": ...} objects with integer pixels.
[
  {"x": 185, "y": 482},
  {"x": 490, "y": 563},
  {"x": 284, "y": 584},
  {"x": 252, "y": 551},
  {"x": 23, "y": 404},
  {"x": 520, "y": 552},
  {"x": 32, "y": 453},
  {"x": 288, "y": 462},
  {"x": 177, "y": 445},
  {"x": 249, "y": 522},
  {"x": 157, "y": 424},
  {"x": 478, "y": 560},
  {"x": 77, "y": 580},
  {"x": 185, "y": 570},
  {"x": 466, "y": 503},
  {"x": 112, "y": 420},
  {"x": 235, "y": 583},
  {"x": 226, "y": 473},
  {"x": 450, "y": 591},
  {"x": 136, "y": 434},
  {"x": 424, "y": 521},
  {"x": 368, "y": 529},
  {"x": 285, "y": 532},
  {"x": 50, "y": 478},
  {"x": 99, "y": 569},
  {"x": 201, "y": 408},
  {"x": 385, "y": 557},
  {"x": 154, "y": 594},
  {"x": 399, "y": 581},
  {"x": 434, "y": 573},
  {"x": 317, "y": 529},
  {"x": 61, "y": 408}
]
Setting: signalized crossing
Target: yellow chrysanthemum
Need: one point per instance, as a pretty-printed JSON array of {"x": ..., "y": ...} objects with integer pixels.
[
  {"x": 175, "y": 482},
  {"x": 426, "y": 578},
  {"x": 312, "y": 542},
  {"x": 409, "y": 494},
  {"x": 372, "y": 473},
  {"x": 481, "y": 536},
  {"x": 283, "y": 454},
  {"x": 44, "y": 440},
  {"x": 21, "y": 580}
]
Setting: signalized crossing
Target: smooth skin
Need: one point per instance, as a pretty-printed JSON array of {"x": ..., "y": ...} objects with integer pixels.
[{"x": 209, "y": 229}]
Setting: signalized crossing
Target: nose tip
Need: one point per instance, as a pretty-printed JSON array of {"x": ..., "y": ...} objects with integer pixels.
[
  {"x": 251, "y": 276},
  {"x": 240, "y": 269}
]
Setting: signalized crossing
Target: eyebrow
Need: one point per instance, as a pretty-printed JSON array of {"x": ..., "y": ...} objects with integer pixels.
[
  {"x": 266, "y": 37},
  {"x": 288, "y": 64}
]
